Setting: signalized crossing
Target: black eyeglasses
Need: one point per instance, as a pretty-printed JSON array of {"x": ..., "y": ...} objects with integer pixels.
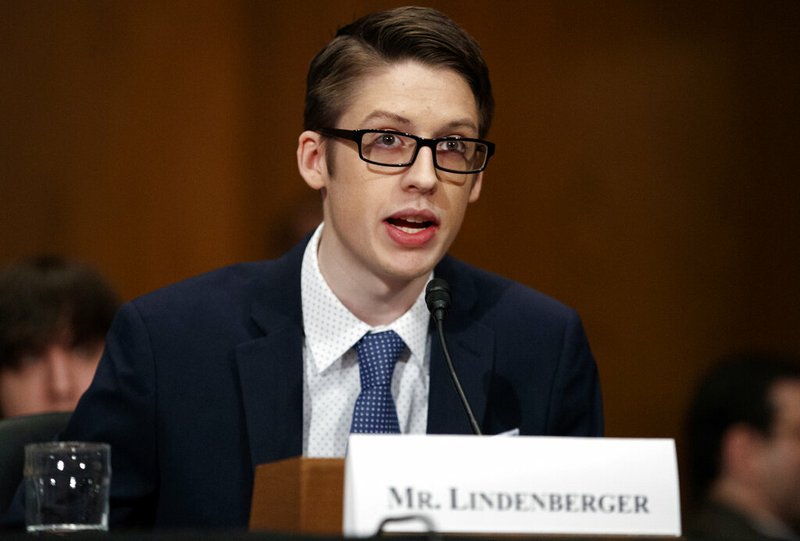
[{"x": 461, "y": 155}]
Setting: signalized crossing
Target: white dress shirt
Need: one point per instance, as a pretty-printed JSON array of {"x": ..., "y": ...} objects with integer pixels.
[{"x": 331, "y": 380}]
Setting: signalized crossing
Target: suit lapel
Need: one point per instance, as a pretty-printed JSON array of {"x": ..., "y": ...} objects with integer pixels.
[
  {"x": 270, "y": 366},
  {"x": 471, "y": 347}
]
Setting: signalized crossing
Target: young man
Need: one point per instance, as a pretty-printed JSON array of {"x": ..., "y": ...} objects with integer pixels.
[
  {"x": 208, "y": 378},
  {"x": 54, "y": 315},
  {"x": 744, "y": 450}
]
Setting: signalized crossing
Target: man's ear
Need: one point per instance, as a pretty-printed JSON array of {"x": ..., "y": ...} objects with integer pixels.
[
  {"x": 311, "y": 159},
  {"x": 475, "y": 189}
]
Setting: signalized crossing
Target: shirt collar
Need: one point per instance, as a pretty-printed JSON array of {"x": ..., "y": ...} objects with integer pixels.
[{"x": 331, "y": 329}]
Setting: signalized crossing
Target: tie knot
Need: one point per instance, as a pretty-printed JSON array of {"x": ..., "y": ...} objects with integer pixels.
[{"x": 377, "y": 355}]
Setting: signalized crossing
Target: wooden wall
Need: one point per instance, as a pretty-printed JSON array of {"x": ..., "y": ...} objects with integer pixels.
[{"x": 646, "y": 172}]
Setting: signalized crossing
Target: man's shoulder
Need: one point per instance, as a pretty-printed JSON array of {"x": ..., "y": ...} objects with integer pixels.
[
  {"x": 489, "y": 292},
  {"x": 718, "y": 521},
  {"x": 232, "y": 288},
  {"x": 223, "y": 280}
]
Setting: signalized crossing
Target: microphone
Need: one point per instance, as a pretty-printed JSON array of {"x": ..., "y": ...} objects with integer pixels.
[{"x": 437, "y": 297}]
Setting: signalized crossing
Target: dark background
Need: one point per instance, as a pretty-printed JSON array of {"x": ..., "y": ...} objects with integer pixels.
[{"x": 646, "y": 172}]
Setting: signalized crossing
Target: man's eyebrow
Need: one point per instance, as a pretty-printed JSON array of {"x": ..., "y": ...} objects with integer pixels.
[
  {"x": 387, "y": 115},
  {"x": 463, "y": 123}
]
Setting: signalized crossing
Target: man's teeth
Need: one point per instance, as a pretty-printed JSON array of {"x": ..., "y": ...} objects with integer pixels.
[{"x": 410, "y": 225}]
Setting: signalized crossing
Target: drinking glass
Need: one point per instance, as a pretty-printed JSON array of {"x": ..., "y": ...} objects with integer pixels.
[{"x": 66, "y": 486}]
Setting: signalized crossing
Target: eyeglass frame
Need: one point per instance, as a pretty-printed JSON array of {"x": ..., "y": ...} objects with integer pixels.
[{"x": 357, "y": 136}]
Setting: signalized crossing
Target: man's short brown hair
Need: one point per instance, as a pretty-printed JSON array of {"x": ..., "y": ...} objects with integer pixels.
[{"x": 378, "y": 40}]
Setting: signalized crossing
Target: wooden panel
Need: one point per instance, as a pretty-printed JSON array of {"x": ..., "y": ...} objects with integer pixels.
[
  {"x": 299, "y": 495},
  {"x": 646, "y": 171}
]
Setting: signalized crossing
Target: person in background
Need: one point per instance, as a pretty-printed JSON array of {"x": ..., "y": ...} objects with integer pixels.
[
  {"x": 54, "y": 314},
  {"x": 743, "y": 430}
]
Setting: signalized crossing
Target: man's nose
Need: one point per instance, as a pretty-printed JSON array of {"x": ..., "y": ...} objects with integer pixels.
[
  {"x": 422, "y": 175},
  {"x": 60, "y": 380}
]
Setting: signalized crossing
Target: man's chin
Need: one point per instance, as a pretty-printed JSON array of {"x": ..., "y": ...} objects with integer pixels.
[{"x": 401, "y": 276}]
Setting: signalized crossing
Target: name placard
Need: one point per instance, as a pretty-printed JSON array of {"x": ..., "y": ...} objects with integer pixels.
[{"x": 515, "y": 485}]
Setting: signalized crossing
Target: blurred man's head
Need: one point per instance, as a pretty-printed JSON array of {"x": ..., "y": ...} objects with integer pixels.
[
  {"x": 53, "y": 318},
  {"x": 744, "y": 437}
]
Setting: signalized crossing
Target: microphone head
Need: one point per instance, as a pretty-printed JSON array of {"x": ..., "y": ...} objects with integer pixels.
[{"x": 437, "y": 297}]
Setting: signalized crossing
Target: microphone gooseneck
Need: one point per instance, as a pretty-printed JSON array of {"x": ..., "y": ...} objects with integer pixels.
[{"x": 437, "y": 297}]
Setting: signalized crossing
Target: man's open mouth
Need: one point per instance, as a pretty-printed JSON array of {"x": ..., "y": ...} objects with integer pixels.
[{"x": 410, "y": 225}]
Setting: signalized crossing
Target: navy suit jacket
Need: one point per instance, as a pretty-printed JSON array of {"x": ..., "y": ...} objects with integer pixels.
[{"x": 203, "y": 380}]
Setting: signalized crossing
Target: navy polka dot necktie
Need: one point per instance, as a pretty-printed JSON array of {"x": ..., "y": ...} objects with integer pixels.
[{"x": 374, "y": 412}]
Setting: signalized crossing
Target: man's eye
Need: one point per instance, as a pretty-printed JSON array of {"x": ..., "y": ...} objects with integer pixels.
[
  {"x": 387, "y": 140},
  {"x": 453, "y": 145},
  {"x": 29, "y": 358},
  {"x": 88, "y": 351}
]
